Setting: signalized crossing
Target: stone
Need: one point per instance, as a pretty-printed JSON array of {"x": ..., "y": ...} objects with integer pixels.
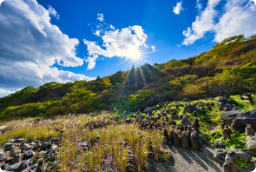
[
  {"x": 219, "y": 144},
  {"x": 185, "y": 120},
  {"x": 226, "y": 101},
  {"x": 25, "y": 147},
  {"x": 193, "y": 108},
  {"x": 15, "y": 159},
  {"x": 46, "y": 145},
  {"x": 40, "y": 166},
  {"x": 28, "y": 154},
  {"x": 220, "y": 155},
  {"x": 203, "y": 137},
  {"x": 2, "y": 156},
  {"x": 251, "y": 145},
  {"x": 249, "y": 130},
  {"x": 7, "y": 146},
  {"x": 230, "y": 156},
  {"x": 16, "y": 152},
  {"x": 229, "y": 108},
  {"x": 242, "y": 154},
  {"x": 240, "y": 119},
  {"x": 20, "y": 140},
  {"x": 3, "y": 129},
  {"x": 186, "y": 100},
  {"x": 85, "y": 145},
  {"x": 230, "y": 167},
  {"x": 174, "y": 117},
  {"x": 22, "y": 166},
  {"x": 54, "y": 147}
]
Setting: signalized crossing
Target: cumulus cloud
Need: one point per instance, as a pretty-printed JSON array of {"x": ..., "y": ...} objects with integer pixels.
[
  {"x": 153, "y": 48},
  {"x": 97, "y": 33},
  {"x": 100, "y": 17},
  {"x": 236, "y": 18},
  {"x": 199, "y": 6},
  {"x": 30, "y": 45},
  {"x": 112, "y": 27},
  {"x": 91, "y": 61},
  {"x": 178, "y": 8},
  {"x": 1, "y": 2},
  {"x": 124, "y": 43},
  {"x": 254, "y": 1},
  {"x": 4, "y": 92},
  {"x": 53, "y": 12}
]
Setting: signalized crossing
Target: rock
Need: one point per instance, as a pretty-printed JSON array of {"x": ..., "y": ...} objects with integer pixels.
[
  {"x": 7, "y": 146},
  {"x": 219, "y": 144},
  {"x": 251, "y": 145},
  {"x": 2, "y": 156},
  {"x": 28, "y": 154},
  {"x": 240, "y": 119},
  {"x": 186, "y": 100},
  {"x": 242, "y": 154},
  {"x": 230, "y": 167},
  {"x": 226, "y": 101},
  {"x": 230, "y": 107},
  {"x": 150, "y": 109},
  {"x": 185, "y": 120},
  {"x": 46, "y": 145},
  {"x": 174, "y": 117},
  {"x": 203, "y": 137},
  {"x": 15, "y": 159},
  {"x": 2, "y": 166},
  {"x": 16, "y": 152},
  {"x": 230, "y": 156},
  {"x": 3, "y": 129},
  {"x": 25, "y": 147},
  {"x": 22, "y": 166},
  {"x": 193, "y": 108},
  {"x": 54, "y": 147},
  {"x": 20, "y": 140},
  {"x": 40, "y": 166},
  {"x": 220, "y": 154},
  {"x": 85, "y": 145},
  {"x": 13, "y": 167}
]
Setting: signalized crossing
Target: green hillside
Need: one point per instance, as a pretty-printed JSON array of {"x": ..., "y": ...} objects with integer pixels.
[{"x": 229, "y": 68}]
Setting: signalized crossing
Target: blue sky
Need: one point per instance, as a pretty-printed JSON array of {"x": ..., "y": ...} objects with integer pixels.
[{"x": 52, "y": 40}]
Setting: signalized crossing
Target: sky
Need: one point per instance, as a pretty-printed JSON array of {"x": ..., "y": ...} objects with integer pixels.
[{"x": 51, "y": 40}]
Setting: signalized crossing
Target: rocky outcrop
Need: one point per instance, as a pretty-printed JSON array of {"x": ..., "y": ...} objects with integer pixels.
[
  {"x": 240, "y": 119},
  {"x": 21, "y": 155}
]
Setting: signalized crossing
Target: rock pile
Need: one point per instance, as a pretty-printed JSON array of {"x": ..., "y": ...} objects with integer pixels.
[{"x": 20, "y": 155}]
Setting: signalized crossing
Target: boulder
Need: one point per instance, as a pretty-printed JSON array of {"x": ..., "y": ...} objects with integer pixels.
[
  {"x": 192, "y": 108},
  {"x": 240, "y": 119},
  {"x": 242, "y": 154},
  {"x": 226, "y": 100},
  {"x": 219, "y": 145},
  {"x": 2, "y": 156},
  {"x": 28, "y": 154},
  {"x": 230, "y": 156},
  {"x": 174, "y": 117},
  {"x": 230, "y": 167},
  {"x": 220, "y": 155},
  {"x": 185, "y": 120},
  {"x": 148, "y": 110},
  {"x": 251, "y": 145},
  {"x": 186, "y": 100},
  {"x": 3, "y": 129}
]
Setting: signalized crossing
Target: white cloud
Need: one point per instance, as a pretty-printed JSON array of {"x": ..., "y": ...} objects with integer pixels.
[
  {"x": 100, "y": 17},
  {"x": 91, "y": 61},
  {"x": 153, "y": 48},
  {"x": 199, "y": 6},
  {"x": 112, "y": 27},
  {"x": 30, "y": 45},
  {"x": 97, "y": 33},
  {"x": 237, "y": 18},
  {"x": 1, "y": 2},
  {"x": 53, "y": 12},
  {"x": 178, "y": 45},
  {"x": 177, "y": 9},
  {"x": 124, "y": 43},
  {"x": 4, "y": 92},
  {"x": 254, "y": 1}
]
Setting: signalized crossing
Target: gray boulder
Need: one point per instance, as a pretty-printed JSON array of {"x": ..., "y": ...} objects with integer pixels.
[
  {"x": 192, "y": 108},
  {"x": 186, "y": 100},
  {"x": 239, "y": 119},
  {"x": 220, "y": 155},
  {"x": 185, "y": 120},
  {"x": 219, "y": 144}
]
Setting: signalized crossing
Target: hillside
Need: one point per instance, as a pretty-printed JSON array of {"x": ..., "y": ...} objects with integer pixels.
[{"x": 228, "y": 68}]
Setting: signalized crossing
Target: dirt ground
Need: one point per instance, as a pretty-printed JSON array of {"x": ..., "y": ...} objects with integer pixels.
[{"x": 188, "y": 161}]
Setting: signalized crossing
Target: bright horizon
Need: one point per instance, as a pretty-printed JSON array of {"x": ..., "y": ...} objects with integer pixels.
[{"x": 45, "y": 40}]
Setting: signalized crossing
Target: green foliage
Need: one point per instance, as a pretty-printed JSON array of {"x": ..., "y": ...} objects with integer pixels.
[
  {"x": 220, "y": 49},
  {"x": 173, "y": 63}
]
